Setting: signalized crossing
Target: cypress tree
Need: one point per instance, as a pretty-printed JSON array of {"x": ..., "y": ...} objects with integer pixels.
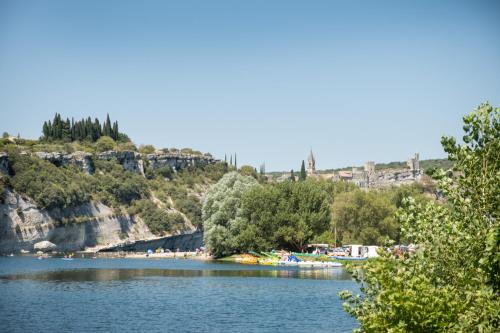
[
  {"x": 303, "y": 174},
  {"x": 292, "y": 176},
  {"x": 45, "y": 130},
  {"x": 106, "y": 130},
  {"x": 235, "y": 163},
  {"x": 66, "y": 130},
  {"x": 51, "y": 130},
  {"x": 115, "y": 131},
  {"x": 73, "y": 129},
  {"x": 231, "y": 160}
]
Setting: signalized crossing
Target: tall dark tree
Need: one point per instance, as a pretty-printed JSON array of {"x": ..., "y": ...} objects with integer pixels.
[
  {"x": 115, "y": 131},
  {"x": 46, "y": 130},
  {"x": 106, "y": 130},
  {"x": 303, "y": 174},
  {"x": 235, "y": 163},
  {"x": 292, "y": 176},
  {"x": 66, "y": 130},
  {"x": 85, "y": 129}
]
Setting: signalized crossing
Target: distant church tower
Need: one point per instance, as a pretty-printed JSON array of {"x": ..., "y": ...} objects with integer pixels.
[{"x": 311, "y": 164}]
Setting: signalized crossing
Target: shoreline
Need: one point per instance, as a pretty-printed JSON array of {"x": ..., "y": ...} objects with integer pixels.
[{"x": 123, "y": 255}]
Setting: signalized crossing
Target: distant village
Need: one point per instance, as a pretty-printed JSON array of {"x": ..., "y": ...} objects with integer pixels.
[{"x": 367, "y": 177}]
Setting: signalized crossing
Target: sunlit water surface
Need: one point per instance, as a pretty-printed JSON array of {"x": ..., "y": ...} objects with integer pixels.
[{"x": 124, "y": 295}]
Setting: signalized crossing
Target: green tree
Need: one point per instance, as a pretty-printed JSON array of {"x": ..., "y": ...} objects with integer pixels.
[
  {"x": 105, "y": 143},
  {"x": 221, "y": 213},
  {"x": 292, "y": 176},
  {"x": 285, "y": 215},
  {"x": 247, "y": 170},
  {"x": 451, "y": 283},
  {"x": 364, "y": 218},
  {"x": 302, "y": 175}
]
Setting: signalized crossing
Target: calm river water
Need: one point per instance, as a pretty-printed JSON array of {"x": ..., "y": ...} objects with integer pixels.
[{"x": 124, "y": 295}]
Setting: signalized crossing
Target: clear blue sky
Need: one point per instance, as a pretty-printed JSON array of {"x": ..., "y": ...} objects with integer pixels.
[{"x": 354, "y": 80}]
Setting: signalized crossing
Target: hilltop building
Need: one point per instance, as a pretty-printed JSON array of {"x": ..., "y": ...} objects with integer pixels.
[
  {"x": 311, "y": 164},
  {"x": 369, "y": 178},
  {"x": 370, "y": 167}
]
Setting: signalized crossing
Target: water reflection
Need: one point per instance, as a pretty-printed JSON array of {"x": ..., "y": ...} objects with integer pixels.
[{"x": 95, "y": 274}]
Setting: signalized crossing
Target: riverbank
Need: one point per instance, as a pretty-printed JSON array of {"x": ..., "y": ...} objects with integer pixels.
[
  {"x": 124, "y": 255},
  {"x": 165, "y": 255}
]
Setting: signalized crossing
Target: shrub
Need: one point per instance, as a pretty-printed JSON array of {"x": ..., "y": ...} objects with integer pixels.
[
  {"x": 49, "y": 185},
  {"x": 105, "y": 143},
  {"x": 191, "y": 207},
  {"x": 146, "y": 149},
  {"x": 158, "y": 220},
  {"x": 117, "y": 186}
]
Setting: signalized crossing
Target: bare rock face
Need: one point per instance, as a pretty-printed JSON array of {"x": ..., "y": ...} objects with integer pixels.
[
  {"x": 83, "y": 161},
  {"x": 178, "y": 161},
  {"x": 5, "y": 168},
  {"x": 23, "y": 224},
  {"x": 130, "y": 160},
  {"x": 80, "y": 159}
]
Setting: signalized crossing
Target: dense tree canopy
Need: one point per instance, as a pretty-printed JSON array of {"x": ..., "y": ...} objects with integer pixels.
[
  {"x": 47, "y": 184},
  {"x": 365, "y": 218},
  {"x": 452, "y": 282},
  {"x": 261, "y": 217},
  {"x": 221, "y": 211},
  {"x": 285, "y": 215},
  {"x": 85, "y": 129}
]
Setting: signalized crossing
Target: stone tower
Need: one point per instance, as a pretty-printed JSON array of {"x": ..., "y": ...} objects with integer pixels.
[
  {"x": 414, "y": 162},
  {"x": 311, "y": 164},
  {"x": 370, "y": 167}
]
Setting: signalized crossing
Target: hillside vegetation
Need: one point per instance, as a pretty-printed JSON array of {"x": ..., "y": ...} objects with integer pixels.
[
  {"x": 242, "y": 215},
  {"x": 167, "y": 200}
]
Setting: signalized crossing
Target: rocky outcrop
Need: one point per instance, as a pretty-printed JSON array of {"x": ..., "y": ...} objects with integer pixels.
[
  {"x": 133, "y": 161},
  {"x": 22, "y": 225},
  {"x": 130, "y": 160},
  {"x": 80, "y": 159},
  {"x": 5, "y": 168},
  {"x": 178, "y": 161}
]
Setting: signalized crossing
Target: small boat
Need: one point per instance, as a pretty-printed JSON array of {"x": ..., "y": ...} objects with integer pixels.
[
  {"x": 68, "y": 257},
  {"x": 269, "y": 262}
]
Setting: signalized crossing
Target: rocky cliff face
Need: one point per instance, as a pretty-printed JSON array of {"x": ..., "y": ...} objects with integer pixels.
[
  {"x": 178, "y": 161},
  {"x": 4, "y": 164},
  {"x": 80, "y": 159},
  {"x": 22, "y": 225},
  {"x": 130, "y": 160}
]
